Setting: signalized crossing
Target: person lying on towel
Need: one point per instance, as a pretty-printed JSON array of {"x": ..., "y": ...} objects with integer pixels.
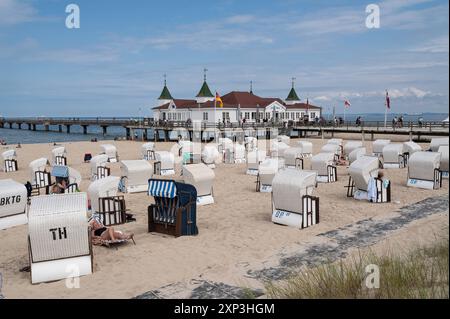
[{"x": 102, "y": 234}]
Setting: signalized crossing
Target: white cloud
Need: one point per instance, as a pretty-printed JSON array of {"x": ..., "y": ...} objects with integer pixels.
[
  {"x": 437, "y": 45},
  {"x": 15, "y": 12},
  {"x": 240, "y": 19}
]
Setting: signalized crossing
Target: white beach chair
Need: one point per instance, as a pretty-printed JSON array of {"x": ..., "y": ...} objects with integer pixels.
[
  {"x": 356, "y": 153},
  {"x": 111, "y": 151},
  {"x": 293, "y": 157},
  {"x": 409, "y": 148},
  {"x": 277, "y": 149},
  {"x": 334, "y": 149},
  {"x": 148, "y": 151},
  {"x": 351, "y": 146},
  {"x": 10, "y": 161},
  {"x": 211, "y": 155},
  {"x": 393, "y": 156},
  {"x": 59, "y": 237},
  {"x": 266, "y": 172},
  {"x": 13, "y": 201},
  {"x": 166, "y": 162},
  {"x": 364, "y": 182},
  {"x": 202, "y": 178},
  {"x": 98, "y": 167},
  {"x": 40, "y": 175},
  {"x": 59, "y": 156},
  {"x": 251, "y": 143},
  {"x": 324, "y": 165},
  {"x": 292, "y": 200},
  {"x": 239, "y": 153},
  {"x": 444, "y": 160},
  {"x": 307, "y": 148},
  {"x": 105, "y": 203},
  {"x": 424, "y": 170},
  {"x": 438, "y": 142},
  {"x": 378, "y": 145},
  {"x": 135, "y": 175},
  {"x": 254, "y": 158}
]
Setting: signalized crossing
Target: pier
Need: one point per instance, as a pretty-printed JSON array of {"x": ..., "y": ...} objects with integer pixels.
[{"x": 131, "y": 126}]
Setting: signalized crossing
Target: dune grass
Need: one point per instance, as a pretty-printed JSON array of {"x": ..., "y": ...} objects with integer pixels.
[{"x": 421, "y": 273}]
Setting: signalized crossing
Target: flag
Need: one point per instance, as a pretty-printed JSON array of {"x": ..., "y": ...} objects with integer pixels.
[
  {"x": 347, "y": 104},
  {"x": 219, "y": 100},
  {"x": 388, "y": 100}
]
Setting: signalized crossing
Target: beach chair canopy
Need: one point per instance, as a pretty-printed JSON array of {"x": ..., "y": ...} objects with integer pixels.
[
  {"x": 226, "y": 143},
  {"x": 423, "y": 164},
  {"x": 138, "y": 172},
  {"x": 284, "y": 139},
  {"x": 378, "y": 145},
  {"x": 57, "y": 227},
  {"x": 110, "y": 150},
  {"x": 279, "y": 147},
  {"x": 362, "y": 169},
  {"x": 254, "y": 158},
  {"x": 210, "y": 154},
  {"x": 60, "y": 171},
  {"x": 251, "y": 142},
  {"x": 356, "y": 153},
  {"x": 162, "y": 188},
  {"x": 150, "y": 146},
  {"x": 321, "y": 161},
  {"x": 437, "y": 142},
  {"x": 335, "y": 141},
  {"x": 351, "y": 146},
  {"x": 289, "y": 186},
  {"x": 9, "y": 155},
  {"x": 239, "y": 151},
  {"x": 307, "y": 147},
  {"x": 411, "y": 147},
  {"x": 200, "y": 176},
  {"x": 391, "y": 152},
  {"x": 104, "y": 187},
  {"x": 58, "y": 151},
  {"x": 331, "y": 148},
  {"x": 96, "y": 161},
  {"x": 269, "y": 166},
  {"x": 167, "y": 159},
  {"x": 444, "y": 158},
  {"x": 291, "y": 155},
  {"x": 14, "y": 197},
  {"x": 39, "y": 164}
]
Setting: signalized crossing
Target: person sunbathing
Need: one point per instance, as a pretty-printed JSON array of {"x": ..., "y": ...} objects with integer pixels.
[{"x": 107, "y": 233}]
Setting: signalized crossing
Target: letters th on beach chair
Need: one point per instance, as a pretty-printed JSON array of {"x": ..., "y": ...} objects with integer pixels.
[
  {"x": 174, "y": 211},
  {"x": 58, "y": 237}
]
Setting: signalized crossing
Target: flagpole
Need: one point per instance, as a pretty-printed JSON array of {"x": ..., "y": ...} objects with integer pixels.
[{"x": 385, "y": 116}]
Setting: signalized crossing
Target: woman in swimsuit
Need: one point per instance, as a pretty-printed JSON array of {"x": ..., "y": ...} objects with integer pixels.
[{"x": 107, "y": 233}]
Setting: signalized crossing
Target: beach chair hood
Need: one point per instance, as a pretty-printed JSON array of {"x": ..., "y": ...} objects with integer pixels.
[
  {"x": 444, "y": 158},
  {"x": 200, "y": 176},
  {"x": 437, "y": 142},
  {"x": 104, "y": 187},
  {"x": 362, "y": 169},
  {"x": 321, "y": 161},
  {"x": 423, "y": 164}
]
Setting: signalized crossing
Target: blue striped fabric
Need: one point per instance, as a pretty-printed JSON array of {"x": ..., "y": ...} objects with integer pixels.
[{"x": 159, "y": 188}]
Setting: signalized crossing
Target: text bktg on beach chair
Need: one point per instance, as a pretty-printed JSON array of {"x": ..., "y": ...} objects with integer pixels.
[
  {"x": 175, "y": 208},
  {"x": 13, "y": 201}
]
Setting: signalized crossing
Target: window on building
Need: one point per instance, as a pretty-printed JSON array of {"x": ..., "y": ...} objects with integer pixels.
[
  {"x": 292, "y": 115},
  {"x": 313, "y": 115},
  {"x": 253, "y": 115},
  {"x": 205, "y": 116},
  {"x": 247, "y": 115},
  {"x": 225, "y": 116},
  {"x": 297, "y": 115},
  {"x": 303, "y": 114},
  {"x": 179, "y": 116}
]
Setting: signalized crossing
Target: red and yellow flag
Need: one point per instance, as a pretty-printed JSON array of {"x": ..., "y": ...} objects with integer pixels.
[{"x": 219, "y": 100}]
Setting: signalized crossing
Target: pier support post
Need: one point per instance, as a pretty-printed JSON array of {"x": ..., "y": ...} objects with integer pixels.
[
  {"x": 10, "y": 125},
  {"x": 372, "y": 136},
  {"x": 29, "y": 126},
  {"x": 33, "y": 127},
  {"x": 46, "y": 127},
  {"x": 144, "y": 135},
  {"x": 68, "y": 129},
  {"x": 85, "y": 127},
  {"x": 128, "y": 133},
  {"x": 363, "y": 136},
  {"x": 60, "y": 128},
  {"x": 104, "y": 129},
  {"x": 19, "y": 125},
  {"x": 410, "y": 135}
]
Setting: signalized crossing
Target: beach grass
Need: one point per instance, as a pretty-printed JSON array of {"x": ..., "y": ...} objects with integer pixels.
[{"x": 421, "y": 273}]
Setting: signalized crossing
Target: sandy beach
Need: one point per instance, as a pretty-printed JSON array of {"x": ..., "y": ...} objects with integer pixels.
[{"x": 236, "y": 230}]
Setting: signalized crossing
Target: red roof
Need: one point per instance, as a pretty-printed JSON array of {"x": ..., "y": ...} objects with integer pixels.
[{"x": 233, "y": 99}]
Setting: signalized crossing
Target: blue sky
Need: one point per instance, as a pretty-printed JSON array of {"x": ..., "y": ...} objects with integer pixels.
[{"x": 114, "y": 64}]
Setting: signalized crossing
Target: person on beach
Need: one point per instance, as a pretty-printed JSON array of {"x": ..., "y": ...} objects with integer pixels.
[{"x": 107, "y": 233}]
